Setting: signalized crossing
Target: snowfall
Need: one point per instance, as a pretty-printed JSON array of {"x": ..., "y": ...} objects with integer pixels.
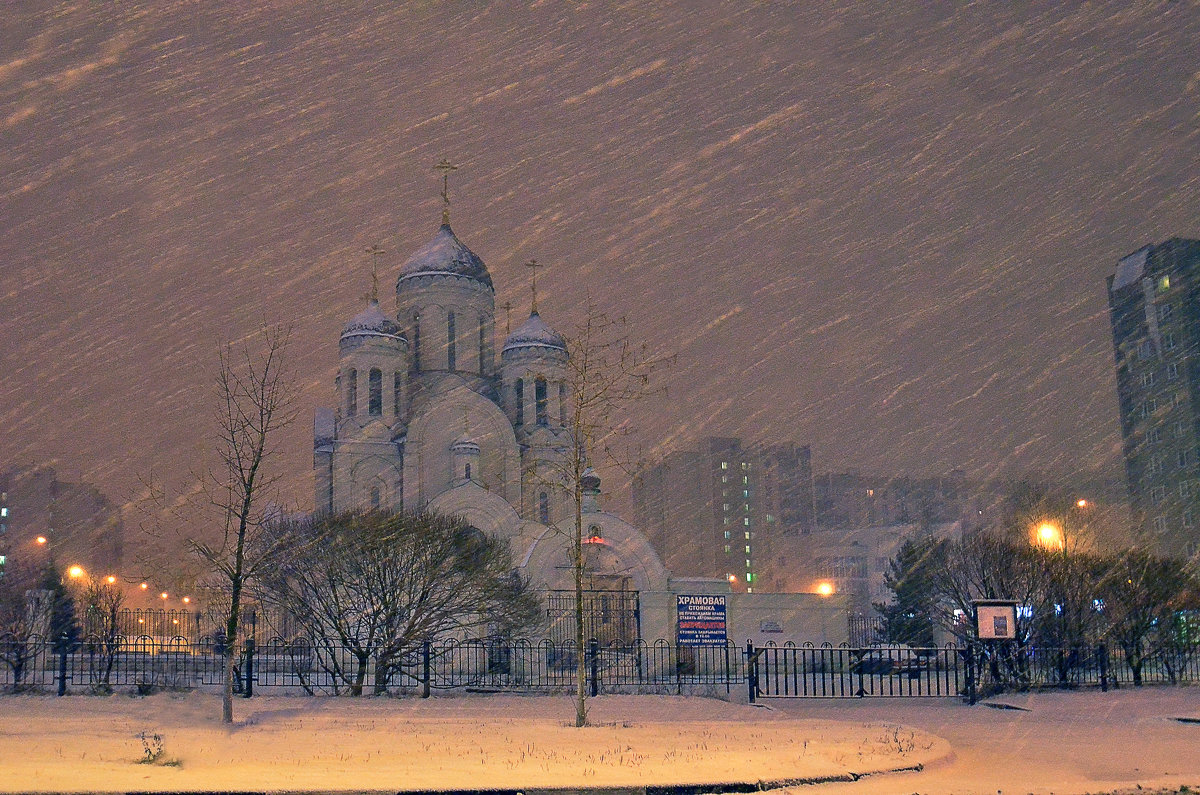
[{"x": 1072, "y": 742}]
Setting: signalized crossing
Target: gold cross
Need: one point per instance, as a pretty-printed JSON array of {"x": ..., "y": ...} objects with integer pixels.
[
  {"x": 445, "y": 167},
  {"x": 507, "y": 318},
  {"x": 533, "y": 265},
  {"x": 374, "y": 251}
]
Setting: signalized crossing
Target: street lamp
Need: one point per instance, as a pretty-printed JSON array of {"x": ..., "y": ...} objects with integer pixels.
[
  {"x": 825, "y": 588},
  {"x": 75, "y": 572},
  {"x": 1049, "y": 535}
]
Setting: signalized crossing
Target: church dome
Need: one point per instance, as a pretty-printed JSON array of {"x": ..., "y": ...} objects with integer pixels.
[
  {"x": 371, "y": 322},
  {"x": 445, "y": 255},
  {"x": 534, "y": 333}
]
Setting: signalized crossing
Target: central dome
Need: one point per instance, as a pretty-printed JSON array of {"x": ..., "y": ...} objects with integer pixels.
[{"x": 445, "y": 255}]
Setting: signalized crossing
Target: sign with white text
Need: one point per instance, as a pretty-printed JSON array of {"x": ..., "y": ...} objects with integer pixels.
[{"x": 701, "y": 620}]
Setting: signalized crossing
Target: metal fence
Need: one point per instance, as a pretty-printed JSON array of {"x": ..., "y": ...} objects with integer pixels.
[{"x": 144, "y": 663}]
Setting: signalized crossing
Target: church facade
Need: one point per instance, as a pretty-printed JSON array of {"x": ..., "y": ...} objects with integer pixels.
[{"x": 429, "y": 417}]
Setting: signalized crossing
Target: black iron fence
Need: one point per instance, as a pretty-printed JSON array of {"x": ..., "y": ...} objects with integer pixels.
[{"x": 144, "y": 663}]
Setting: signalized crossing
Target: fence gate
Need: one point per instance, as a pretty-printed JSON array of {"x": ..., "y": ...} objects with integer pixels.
[
  {"x": 862, "y": 672},
  {"x": 609, "y": 616}
]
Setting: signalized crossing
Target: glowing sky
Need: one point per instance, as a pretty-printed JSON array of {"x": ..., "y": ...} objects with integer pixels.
[{"x": 883, "y": 233}]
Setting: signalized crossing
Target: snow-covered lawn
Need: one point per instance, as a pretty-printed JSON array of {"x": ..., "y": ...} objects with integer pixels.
[
  {"x": 89, "y": 744},
  {"x": 1052, "y": 743}
]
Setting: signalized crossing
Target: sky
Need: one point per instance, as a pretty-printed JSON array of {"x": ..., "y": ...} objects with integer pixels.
[{"x": 882, "y": 230}]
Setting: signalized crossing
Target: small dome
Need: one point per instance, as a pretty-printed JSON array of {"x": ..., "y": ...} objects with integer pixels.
[
  {"x": 465, "y": 446},
  {"x": 371, "y": 322},
  {"x": 445, "y": 255},
  {"x": 590, "y": 481},
  {"x": 534, "y": 333}
]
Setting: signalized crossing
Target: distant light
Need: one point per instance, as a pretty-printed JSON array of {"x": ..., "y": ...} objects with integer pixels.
[
  {"x": 40, "y": 539},
  {"x": 187, "y": 600},
  {"x": 1081, "y": 504},
  {"x": 175, "y": 621},
  {"x": 825, "y": 588},
  {"x": 144, "y": 586},
  {"x": 111, "y": 580},
  {"x": 75, "y": 572},
  {"x": 732, "y": 577},
  {"x": 162, "y": 595},
  {"x": 141, "y": 621}
]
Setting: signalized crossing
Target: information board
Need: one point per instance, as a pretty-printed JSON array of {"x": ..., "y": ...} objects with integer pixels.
[{"x": 701, "y": 620}]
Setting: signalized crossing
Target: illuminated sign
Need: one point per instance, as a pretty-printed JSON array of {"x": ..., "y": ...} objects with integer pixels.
[{"x": 701, "y": 620}]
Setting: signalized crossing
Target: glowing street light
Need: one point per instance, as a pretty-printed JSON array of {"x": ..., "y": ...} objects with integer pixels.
[
  {"x": 75, "y": 572},
  {"x": 825, "y": 588},
  {"x": 1081, "y": 503},
  {"x": 111, "y": 579},
  {"x": 1049, "y": 536},
  {"x": 162, "y": 595},
  {"x": 144, "y": 586},
  {"x": 40, "y": 540}
]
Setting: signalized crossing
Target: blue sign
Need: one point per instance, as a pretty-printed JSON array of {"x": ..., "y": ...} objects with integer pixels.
[{"x": 701, "y": 620}]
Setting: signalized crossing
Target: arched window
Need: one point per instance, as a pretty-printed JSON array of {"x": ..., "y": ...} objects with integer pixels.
[
  {"x": 351, "y": 393},
  {"x": 467, "y": 472},
  {"x": 416, "y": 340},
  {"x": 375, "y": 500},
  {"x": 482, "y": 344},
  {"x": 539, "y": 400},
  {"x": 562, "y": 404},
  {"x": 398, "y": 395},
  {"x": 375, "y": 392},
  {"x": 450, "y": 334},
  {"x": 519, "y": 398},
  {"x": 544, "y": 508}
]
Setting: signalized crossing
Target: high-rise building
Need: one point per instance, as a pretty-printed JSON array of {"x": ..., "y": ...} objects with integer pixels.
[
  {"x": 713, "y": 512},
  {"x": 1154, "y": 307}
]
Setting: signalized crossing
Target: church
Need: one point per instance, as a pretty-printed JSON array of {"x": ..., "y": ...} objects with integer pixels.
[{"x": 427, "y": 418}]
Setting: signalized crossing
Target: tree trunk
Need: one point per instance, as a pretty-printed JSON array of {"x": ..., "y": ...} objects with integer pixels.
[{"x": 580, "y": 657}]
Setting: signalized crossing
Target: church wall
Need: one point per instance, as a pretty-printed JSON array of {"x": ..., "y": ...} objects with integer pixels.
[{"x": 433, "y": 299}]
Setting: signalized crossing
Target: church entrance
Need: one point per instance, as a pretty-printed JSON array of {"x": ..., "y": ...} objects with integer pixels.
[{"x": 611, "y": 612}]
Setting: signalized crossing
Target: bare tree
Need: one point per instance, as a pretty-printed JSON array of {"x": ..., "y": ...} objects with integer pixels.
[
  {"x": 378, "y": 585},
  {"x": 606, "y": 372},
  {"x": 254, "y": 403},
  {"x": 22, "y": 615},
  {"x": 101, "y": 602}
]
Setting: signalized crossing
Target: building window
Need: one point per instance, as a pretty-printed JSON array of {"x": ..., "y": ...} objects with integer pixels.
[
  {"x": 728, "y": 549},
  {"x": 1160, "y": 524},
  {"x": 1185, "y": 489},
  {"x": 1145, "y": 350},
  {"x": 1188, "y": 519},
  {"x": 375, "y": 500},
  {"x": 1172, "y": 371},
  {"x": 724, "y": 478},
  {"x": 747, "y": 550},
  {"x": 482, "y": 344},
  {"x": 562, "y": 404},
  {"x": 747, "y": 536},
  {"x": 728, "y": 534},
  {"x": 398, "y": 395},
  {"x": 725, "y": 520},
  {"x": 351, "y": 393},
  {"x": 1158, "y": 494},
  {"x": 519, "y": 399},
  {"x": 1148, "y": 378},
  {"x": 1154, "y": 436},
  {"x": 539, "y": 401},
  {"x": 746, "y": 521},
  {"x": 1156, "y": 465},
  {"x": 1181, "y": 459},
  {"x": 375, "y": 392},
  {"x": 1164, "y": 283},
  {"x": 1169, "y": 340},
  {"x": 1149, "y": 406},
  {"x": 724, "y": 465},
  {"x": 724, "y": 506},
  {"x": 1164, "y": 313},
  {"x": 1177, "y": 399},
  {"x": 417, "y": 341},
  {"x": 450, "y": 340},
  {"x": 544, "y": 508},
  {"x": 467, "y": 471},
  {"x": 1180, "y": 429},
  {"x": 746, "y": 493}
]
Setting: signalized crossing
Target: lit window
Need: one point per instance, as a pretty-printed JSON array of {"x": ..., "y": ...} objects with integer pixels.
[
  {"x": 1164, "y": 283},
  {"x": 724, "y": 478},
  {"x": 724, "y": 506},
  {"x": 745, "y": 478},
  {"x": 747, "y": 534},
  {"x": 727, "y": 548},
  {"x": 746, "y": 493},
  {"x": 3, "y": 512},
  {"x": 728, "y": 534},
  {"x": 725, "y": 520},
  {"x": 746, "y": 521},
  {"x": 747, "y": 550},
  {"x": 724, "y": 465}
]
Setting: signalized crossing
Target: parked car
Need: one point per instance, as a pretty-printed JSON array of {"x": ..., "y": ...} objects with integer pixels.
[{"x": 889, "y": 661}]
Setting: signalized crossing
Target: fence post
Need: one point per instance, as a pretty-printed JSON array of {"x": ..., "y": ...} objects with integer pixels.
[
  {"x": 751, "y": 671},
  {"x": 1102, "y": 655},
  {"x": 426, "y": 665},
  {"x": 970, "y": 658},
  {"x": 248, "y": 690},
  {"x": 62, "y": 664},
  {"x": 594, "y": 665}
]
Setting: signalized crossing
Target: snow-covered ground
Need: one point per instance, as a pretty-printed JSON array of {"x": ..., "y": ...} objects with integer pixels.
[{"x": 1064, "y": 743}]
